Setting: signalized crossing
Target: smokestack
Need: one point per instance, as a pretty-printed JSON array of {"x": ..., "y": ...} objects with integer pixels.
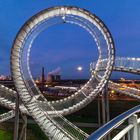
[
  {"x": 43, "y": 80},
  {"x": 43, "y": 75}
]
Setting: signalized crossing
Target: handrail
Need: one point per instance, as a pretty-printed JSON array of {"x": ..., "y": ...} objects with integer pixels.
[
  {"x": 108, "y": 127},
  {"x": 123, "y": 132},
  {"x": 123, "y": 64}
]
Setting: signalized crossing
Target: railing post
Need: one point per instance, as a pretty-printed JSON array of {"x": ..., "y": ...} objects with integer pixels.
[
  {"x": 123, "y": 138},
  {"x": 99, "y": 110},
  {"x": 128, "y": 135},
  {"x": 16, "y": 125},
  {"x": 105, "y": 107},
  {"x": 138, "y": 124},
  {"x": 24, "y": 128},
  {"x": 134, "y": 131}
]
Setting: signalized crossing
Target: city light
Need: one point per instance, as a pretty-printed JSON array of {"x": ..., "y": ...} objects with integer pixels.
[{"x": 112, "y": 91}]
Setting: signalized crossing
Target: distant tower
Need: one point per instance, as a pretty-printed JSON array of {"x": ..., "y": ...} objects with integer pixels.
[
  {"x": 43, "y": 75},
  {"x": 43, "y": 80}
]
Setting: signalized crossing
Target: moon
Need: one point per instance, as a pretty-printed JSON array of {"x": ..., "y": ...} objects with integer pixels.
[{"x": 79, "y": 68}]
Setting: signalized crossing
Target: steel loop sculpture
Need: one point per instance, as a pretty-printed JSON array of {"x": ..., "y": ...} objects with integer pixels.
[{"x": 49, "y": 115}]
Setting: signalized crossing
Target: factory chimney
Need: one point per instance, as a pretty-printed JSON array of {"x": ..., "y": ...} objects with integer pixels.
[{"x": 43, "y": 80}]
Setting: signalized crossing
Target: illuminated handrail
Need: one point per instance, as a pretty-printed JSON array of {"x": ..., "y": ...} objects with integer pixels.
[
  {"x": 126, "y": 64},
  {"x": 113, "y": 124}
]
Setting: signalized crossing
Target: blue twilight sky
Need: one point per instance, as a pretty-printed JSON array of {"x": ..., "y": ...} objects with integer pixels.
[{"x": 69, "y": 46}]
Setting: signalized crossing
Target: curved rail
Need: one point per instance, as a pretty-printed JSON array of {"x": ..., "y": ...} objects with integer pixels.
[
  {"x": 113, "y": 124},
  {"x": 128, "y": 64},
  {"x": 124, "y": 64}
]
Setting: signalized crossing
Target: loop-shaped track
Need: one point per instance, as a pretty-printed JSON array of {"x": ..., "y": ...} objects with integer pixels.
[{"x": 24, "y": 81}]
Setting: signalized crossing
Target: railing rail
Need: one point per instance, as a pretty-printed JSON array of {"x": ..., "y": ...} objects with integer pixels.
[{"x": 132, "y": 128}]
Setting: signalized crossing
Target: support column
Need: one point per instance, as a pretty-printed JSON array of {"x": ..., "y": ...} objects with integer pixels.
[
  {"x": 22, "y": 135},
  {"x": 99, "y": 110},
  {"x": 24, "y": 128},
  {"x": 16, "y": 125},
  {"x": 105, "y": 105},
  {"x": 134, "y": 132}
]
